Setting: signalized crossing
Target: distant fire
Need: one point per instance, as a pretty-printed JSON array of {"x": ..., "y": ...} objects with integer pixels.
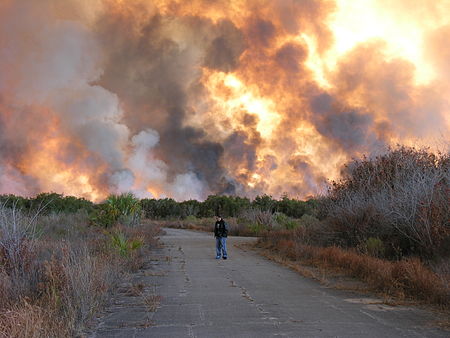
[{"x": 183, "y": 99}]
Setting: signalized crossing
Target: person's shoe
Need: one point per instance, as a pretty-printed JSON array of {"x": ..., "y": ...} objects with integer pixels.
[
  {"x": 224, "y": 257},
  {"x": 217, "y": 257}
]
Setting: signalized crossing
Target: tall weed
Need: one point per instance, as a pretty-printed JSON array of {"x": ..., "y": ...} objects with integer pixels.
[{"x": 53, "y": 283}]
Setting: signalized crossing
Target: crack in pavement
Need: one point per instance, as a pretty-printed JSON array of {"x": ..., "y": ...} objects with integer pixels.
[{"x": 246, "y": 296}]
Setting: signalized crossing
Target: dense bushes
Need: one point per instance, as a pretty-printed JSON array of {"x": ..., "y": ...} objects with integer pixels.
[
  {"x": 122, "y": 208},
  {"x": 401, "y": 198},
  {"x": 47, "y": 202},
  {"x": 393, "y": 205},
  {"x": 226, "y": 206}
]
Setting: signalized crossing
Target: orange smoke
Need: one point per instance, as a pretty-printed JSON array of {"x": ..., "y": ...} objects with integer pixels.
[{"x": 185, "y": 99}]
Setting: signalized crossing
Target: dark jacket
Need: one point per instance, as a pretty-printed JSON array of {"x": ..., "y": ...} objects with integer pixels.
[{"x": 221, "y": 229}]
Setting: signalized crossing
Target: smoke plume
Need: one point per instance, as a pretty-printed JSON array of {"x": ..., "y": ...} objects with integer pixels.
[{"x": 186, "y": 99}]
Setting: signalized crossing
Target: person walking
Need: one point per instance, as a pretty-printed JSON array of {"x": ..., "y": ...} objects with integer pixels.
[{"x": 221, "y": 233}]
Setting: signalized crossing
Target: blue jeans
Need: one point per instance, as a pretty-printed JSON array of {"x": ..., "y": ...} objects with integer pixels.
[{"x": 221, "y": 247}]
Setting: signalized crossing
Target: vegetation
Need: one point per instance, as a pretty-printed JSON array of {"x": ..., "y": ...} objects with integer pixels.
[
  {"x": 246, "y": 217},
  {"x": 125, "y": 246},
  {"x": 387, "y": 221},
  {"x": 56, "y": 269},
  {"x": 48, "y": 203},
  {"x": 226, "y": 206},
  {"x": 401, "y": 198},
  {"x": 122, "y": 209}
]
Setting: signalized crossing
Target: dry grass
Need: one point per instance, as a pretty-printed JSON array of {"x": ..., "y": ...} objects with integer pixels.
[
  {"x": 152, "y": 302},
  {"x": 27, "y": 320},
  {"x": 405, "y": 279},
  {"x": 52, "y": 284}
]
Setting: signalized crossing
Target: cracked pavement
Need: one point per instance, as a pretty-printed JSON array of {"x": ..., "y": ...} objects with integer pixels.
[{"x": 183, "y": 291}]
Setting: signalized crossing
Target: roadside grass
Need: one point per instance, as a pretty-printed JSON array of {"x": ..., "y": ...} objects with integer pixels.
[
  {"x": 56, "y": 271},
  {"x": 406, "y": 279}
]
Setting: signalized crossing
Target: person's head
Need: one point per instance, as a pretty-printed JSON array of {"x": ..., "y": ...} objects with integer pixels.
[{"x": 218, "y": 217}]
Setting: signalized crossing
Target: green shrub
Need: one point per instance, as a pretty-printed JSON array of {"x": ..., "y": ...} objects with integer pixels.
[
  {"x": 191, "y": 219},
  {"x": 123, "y": 244},
  {"x": 124, "y": 209},
  {"x": 285, "y": 222},
  {"x": 103, "y": 216},
  {"x": 225, "y": 206},
  {"x": 47, "y": 203},
  {"x": 256, "y": 228},
  {"x": 308, "y": 221},
  {"x": 374, "y": 247},
  {"x": 160, "y": 208},
  {"x": 124, "y": 205}
]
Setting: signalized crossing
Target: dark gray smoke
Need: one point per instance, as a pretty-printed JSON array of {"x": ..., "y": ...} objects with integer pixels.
[
  {"x": 155, "y": 75},
  {"x": 350, "y": 128}
]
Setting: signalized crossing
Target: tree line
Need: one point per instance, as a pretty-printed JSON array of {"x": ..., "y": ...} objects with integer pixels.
[
  {"x": 225, "y": 206},
  {"x": 167, "y": 208}
]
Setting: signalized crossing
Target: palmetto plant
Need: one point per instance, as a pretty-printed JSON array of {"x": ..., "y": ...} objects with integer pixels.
[
  {"x": 124, "y": 209},
  {"x": 124, "y": 204}
]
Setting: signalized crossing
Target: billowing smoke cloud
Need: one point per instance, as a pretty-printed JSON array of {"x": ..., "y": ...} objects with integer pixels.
[
  {"x": 166, "y": 98},
  {"x": 349, "y": 128}
]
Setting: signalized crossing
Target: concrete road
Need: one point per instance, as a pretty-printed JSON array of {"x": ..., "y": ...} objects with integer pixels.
[{"x": 250, "y": 296}]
